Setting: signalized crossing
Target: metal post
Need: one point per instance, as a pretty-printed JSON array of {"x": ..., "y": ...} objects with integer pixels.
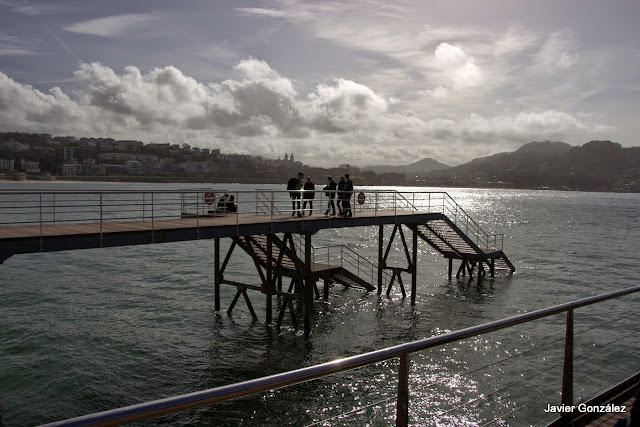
[
  {"x": 198, "y": 217},
  {"x": 101, "y": 213},
  {"x": 567, "y": 373},
  {"x": 402, "y": 407},
  {"x": 414, "y": 265},
  {"x": 217, "y": 278},
  {"x": 40, "y": 222},
  {"x": 376, "y": 211},
  {"x": 269, "y": 284},
  {"x": 395, "y": 207},
  {"x": 308, "y": 286},
  {"x": 272, "y": 207},
  {"x": 152, "y": 219},
  {"x": 380, "y": 257}
]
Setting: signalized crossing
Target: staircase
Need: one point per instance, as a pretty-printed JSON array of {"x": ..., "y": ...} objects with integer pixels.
[
  {"x": 347, "y": 278},
  {"x": 447, "y": 238},
  {"x": 256, "y": 247}
]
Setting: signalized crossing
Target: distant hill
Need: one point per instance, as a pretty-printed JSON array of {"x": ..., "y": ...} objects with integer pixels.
[
  {"x": 595, "y": 166},
  {"x": 421, "y": 166}
]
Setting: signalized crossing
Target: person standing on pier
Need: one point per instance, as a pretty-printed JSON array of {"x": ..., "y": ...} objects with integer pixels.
[
  {"x": 331, "y": 188},
  {"x": 346, "y": 202},
  {"x": 341, "y": 195},
  {"x": 308, "y": 195},
  {"x": 294, "y": 186}
]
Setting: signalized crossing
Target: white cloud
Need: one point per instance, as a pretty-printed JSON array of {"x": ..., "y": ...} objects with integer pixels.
[
  {"x": 114, "y": 26},
  {"x": 467, "y": 76},
  {"x": 258, "y": 11},
  {"x": 438, "y": 93},
  {"x": 448, "y": 55},
  {"x": 558, "y": 51},
  {"x": 12, "y": 45},
  {"x": 515, "y": 40},
  {"x": 459, "y": 66},
  {"x": 343, "y": 106},
  {"x": 31, "y": 9},
  {"x": 343, "y": 121}
]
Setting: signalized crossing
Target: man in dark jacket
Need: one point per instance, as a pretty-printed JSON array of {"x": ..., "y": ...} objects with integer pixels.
[
  {"x": 294, "y": 186},
  {"x": 330, "y": 189},
  {"x": 309, "y": 194},
  {"x": 341, "y": 195},
  {"x": 346, "y": 202}
]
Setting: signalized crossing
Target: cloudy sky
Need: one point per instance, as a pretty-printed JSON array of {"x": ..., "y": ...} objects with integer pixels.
[{"x": 354, "y": 81}]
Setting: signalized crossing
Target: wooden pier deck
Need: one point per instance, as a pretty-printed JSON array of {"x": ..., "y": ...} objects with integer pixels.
[{"x": 19, "y": 239}]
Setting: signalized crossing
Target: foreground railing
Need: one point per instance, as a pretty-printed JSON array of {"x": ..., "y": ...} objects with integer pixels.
[
  {"x": 35, "y": 207},
  {"x": 401, "y": 352}
]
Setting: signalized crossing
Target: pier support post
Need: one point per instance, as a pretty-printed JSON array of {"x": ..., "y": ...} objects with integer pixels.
[
  {"x": 450, "y": 267},
  {"x": 269, "y": 285},
  {"x": 217, "y": 278},
  {"x": 308, "y": 285},
  {"x": 414, "y": 265},
  {"x": 380, "y": 257}
]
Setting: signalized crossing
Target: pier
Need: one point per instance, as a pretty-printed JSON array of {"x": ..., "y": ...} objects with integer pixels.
[{"x": 280, "y": 245}]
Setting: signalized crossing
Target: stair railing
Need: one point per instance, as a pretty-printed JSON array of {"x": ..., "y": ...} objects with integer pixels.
[
  {"x": 347, "y": 258},
  {"x": 469, "y": 226}
]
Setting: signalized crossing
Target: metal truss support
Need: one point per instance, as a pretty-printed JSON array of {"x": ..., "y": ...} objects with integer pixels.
[{"x": 411, "y": 256}]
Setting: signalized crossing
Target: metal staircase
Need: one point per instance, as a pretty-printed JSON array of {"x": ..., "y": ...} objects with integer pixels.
[
  {"x": 333, "y": 269},
  {"x": 447, "y": 238},
  {"x": 347, "y": 278}
]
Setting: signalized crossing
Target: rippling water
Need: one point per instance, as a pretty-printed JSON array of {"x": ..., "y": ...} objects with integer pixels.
[{"x": 90, "y": 330}]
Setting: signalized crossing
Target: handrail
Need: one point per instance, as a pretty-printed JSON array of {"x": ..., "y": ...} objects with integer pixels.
[
  {"x": 402, "y": 351},
  {"x": 371, "y": 269},
  {"x": 57, "y": 206}
]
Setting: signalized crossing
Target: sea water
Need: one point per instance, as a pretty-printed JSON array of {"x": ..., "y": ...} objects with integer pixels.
[{"x": 91, "y": 330}]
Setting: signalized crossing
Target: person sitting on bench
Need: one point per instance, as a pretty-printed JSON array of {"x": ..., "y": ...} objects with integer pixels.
[{"x": 231, "y": 205}]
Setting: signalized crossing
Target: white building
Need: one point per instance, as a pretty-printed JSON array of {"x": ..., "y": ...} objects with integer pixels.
[
  {"x": 6, "y": 164},
  {"x": 71, "y": 169},
  {"x": 13, "y": 145},
  {"x": 190, "y": 167},
  {"x": 111, "y": 169},
  {"x": 67, "y": 153},
  {"x": 30, "y": 166},
  {"x": 133, "y": 167},
  {"x": 207, "y": 167}
]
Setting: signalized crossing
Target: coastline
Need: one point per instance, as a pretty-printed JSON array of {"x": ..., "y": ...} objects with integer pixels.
[{"x": 255, "y": 180}]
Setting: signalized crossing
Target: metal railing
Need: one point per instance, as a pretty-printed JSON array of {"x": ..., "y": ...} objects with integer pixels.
[
  {"x": 36, "y": 207},
  {"x": 401, "y": 352},
  {"x": 347, "y": 258}
]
